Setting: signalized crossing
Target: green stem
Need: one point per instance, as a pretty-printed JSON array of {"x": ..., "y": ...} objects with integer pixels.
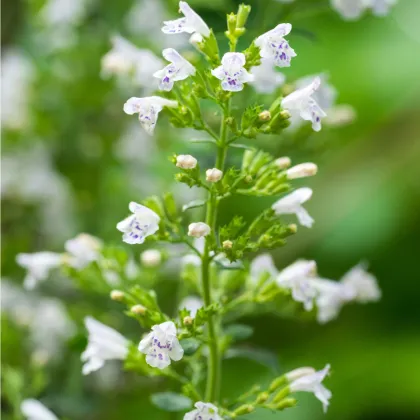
[{"x": 214, "y": 362}]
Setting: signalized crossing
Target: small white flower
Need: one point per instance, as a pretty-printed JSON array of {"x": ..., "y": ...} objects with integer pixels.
[
  {"x": 232, "y": 72},
  {"x": 35, "y": 410},
  {"x": 266, "y": 78},
  {"x": 142, "y": 223},
  {"x": 274, "y": 47},
  {"x": 198, "y": 229},
  {"x": 363, "y": 283},
  {"x": 340, "y": 115},
  {"x": 192, "y": 304},
  {"x": 299, "y": 373},
  {"x": 38, "y": 266},
  {"x": 190, "y": 23},
  {"x": 83, "y": 250},
  {"x": 349, "y": 9},
  {"x": 148, "y": 110},
  {"x": 214, "y": 175},
  {"x": 179, "y": 69},
  {"x": 313, "y": 383},
  {"x": 381, "y": 7},
  {"x": 292, "y": 204},
  {"x": 283, "y": 162},
  {"x": 203, "y": 411},
  {"x": 104, "y": 343},
  {"x": 186, "y": 162},
  {"x": 161, "y": 345},
  {"x": 151, "y": 258},
  {"x": 301, "y": 101},
  {"x": 302, "y": 170},
  {"x": 298, "y": 278},
  {"x": 262, "y": 264}
]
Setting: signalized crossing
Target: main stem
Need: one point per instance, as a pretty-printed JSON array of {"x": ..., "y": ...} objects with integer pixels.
[{"x": 214, "y": 362}]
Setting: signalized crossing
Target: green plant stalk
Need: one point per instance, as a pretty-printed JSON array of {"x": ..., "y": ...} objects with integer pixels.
[{"x": 214, "y": 363}]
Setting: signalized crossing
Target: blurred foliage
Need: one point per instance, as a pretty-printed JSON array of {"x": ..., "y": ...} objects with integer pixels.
[{"x": 366, "y": 204}]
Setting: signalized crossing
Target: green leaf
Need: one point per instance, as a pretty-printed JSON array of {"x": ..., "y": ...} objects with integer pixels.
[
  {"x": 170, "y": 401},
  {"x": 190, "y": 346},
  {"x": 239, "y": 331},
  {"x": 193, "y": 204},
  {"x": 261, "y": 356}
]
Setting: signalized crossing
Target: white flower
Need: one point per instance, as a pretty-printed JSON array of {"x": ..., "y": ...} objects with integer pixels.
[
  {"x": 381, "y": 7},
  {"x": 298, "y": 278},
  {"x": 198, "y": 229},
  {"x": 126, "y": 59},
  {"x": 83, "y": 250},
  {"x": 190, "y": 23},
  {"x": 192, "y": 304},
  {"x": 232, "y": 72},
  {"x": 214, "y": 175},
  {"x": 148, "y": 110},
  {"x": 363, "y": 283},
  {"x": 186, "y": 162},
  {"x": 151, "y": 258},
  {"x": 161, "y": 345},
  {"x": 292, "y": 204},
  {"x": 302, "y": 170},
  {"x": 179, "y": 69},
  {"x": 35, "y": 410},
  {"x": 313, "y": 383},
  {"x": 274, "y": 47},
  {"x": 283, "y": 162},
  {"x": 38, "y": 266},
  {"x": 298, "y": 373},
  {"x": 340, "y": 115},
  {"x": 104, "y": 343},
  {"x": 262, "y": 264},
  {"x": 203, "y": 411},
  {"x": 142, "y": 223},
  {"x": 301, "y": 101},
  {"x": 349, "y": 9},
  {"x": 266, "y": 78}
]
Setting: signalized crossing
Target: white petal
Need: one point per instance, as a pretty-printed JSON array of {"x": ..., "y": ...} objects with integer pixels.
[
  {"x": 145, "y": 343},
  {"x": 219, "y": 73},
  {"x": 133, "y": 105},
  {"x": 160, "y": 363},
  {"x": 173, "y": 56},
  {"x": 35, "y": 410},
  {"x": 194, "y": 19},
  {"x": 177, "y": 351},
  {"x": 304, "y": 217},
  {"x": 124, "y": 225}
]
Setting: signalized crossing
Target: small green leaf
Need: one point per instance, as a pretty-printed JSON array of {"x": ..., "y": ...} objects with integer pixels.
[
  {"x": 190, "y": 346},
  {"x": 193, "y": 204},
  {"x": 170, "y": 401},
  {"x": 239, "y": 331}
]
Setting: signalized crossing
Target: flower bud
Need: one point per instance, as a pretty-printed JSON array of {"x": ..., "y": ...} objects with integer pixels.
[
  {"x": 283, "y": 393},
  {"x": 285, "y": 114},
  {"x": 227, "y": 244},
  {"x": 277, "y": 383},
  {"x": 186, "y": 162},
  {"x": 286, "y": 403},
  {"x": 283, "y": 162},
  {"x": 292, "y": 228},
  {"x": 231, "y": 22},
  {"x": 263, "y": 397},
  {"x": 117, "y": 295},
  {"x": 138, "y": 309},
  {"x": 199, "y": 229},
  {"x": 188, "y": 320},
  {"x": 214, "y": 175},
  {"x": 248, "y": 179},
  {"x": 301, "y": 171},
  {"x": 244, "y": 409},
  {"x": 243, "y": 12},
  {"x": 196, "y": 39},
  {"x": 151, "y": 258},
  {"x": 264, "y": 116}
]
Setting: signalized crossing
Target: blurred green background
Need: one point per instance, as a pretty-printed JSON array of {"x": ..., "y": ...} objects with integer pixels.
[{"x": 68, "y": 166}]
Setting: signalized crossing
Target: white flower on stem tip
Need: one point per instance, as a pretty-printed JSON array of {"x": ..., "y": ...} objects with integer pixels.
[
  {"x": 292, "y": 204},
  {"x": 301, "y": 101},
  {"x": 192, "y": 304},
  {"x": 148, "y": 110},
  {"x": 214, "y": 175},
  {"x": 35, "y": 410},
  {"x": 274, "y": 47},
  {"x": 313, "y": 383},
  {"x": 302, "y": 170},
  {"x": 142, "y": 223},
  {"x": 363, "y": 283},
  {"x": 349, "y": 9},
  {"x": 203, "y": 411},
  {"x": 83, "y": 250},
  {"x": 198, "y": 229},
  {"x": 190, "y": 23},
  {"x": 297, "y": 278},
  {"x": 266, "y": 78},
  {"x": 179, "y": 69},
  {"x": 151, "y": 258},
  {"x": 104, "y": 343},
  {"x": 262, "y": 264},
  {"x": 161, "y": 345},
  {"x": 38, "y": 266},
  {"x": 186, "y": 162},
  {"x": 232, "y": 72}
]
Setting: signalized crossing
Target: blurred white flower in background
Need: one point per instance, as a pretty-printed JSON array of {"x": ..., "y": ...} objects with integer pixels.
[
  {"x": 262, "y": 264},
  {"x": 266, "y": 78},
  {"x": 17, "y": 74},
  {"x": 83, "y": 249},
  {"x": 192, "y": 304},
  {"x": 35, "y": 410},
  {"x": 363, "y": 283},
  {"x": 353, "y": 9}
]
